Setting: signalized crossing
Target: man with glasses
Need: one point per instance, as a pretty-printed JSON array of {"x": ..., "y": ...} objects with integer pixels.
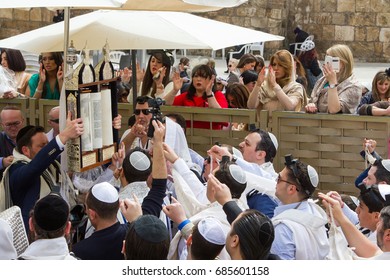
[
  {"x": 11, "y": 121},
  {"x": 300, "y": 231},
  {"x": 53, "y": 121},
  {"x": 137, "y": 135}
]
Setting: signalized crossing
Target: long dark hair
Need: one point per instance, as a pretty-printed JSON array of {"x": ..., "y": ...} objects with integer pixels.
[
  {"x": 307, "y": 57},
  {"x": 256, "y": 234},
  {"x": 57, "y": 56},
  {"x": 147, "y": 83},
  {"x": 200, "y": 70},
  {"x": 15, "y": 60},
  {"x": 240, "y": 94}
]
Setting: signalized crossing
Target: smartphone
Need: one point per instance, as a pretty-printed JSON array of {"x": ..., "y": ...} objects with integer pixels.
[{"x": 334, "y": 61}]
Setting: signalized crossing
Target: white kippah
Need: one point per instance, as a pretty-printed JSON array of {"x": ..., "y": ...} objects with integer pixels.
[
  {"x": 237, "y": 152},
  {"x": 384, "y": 190},
  {"x": 274, "y": 140},
  {"x": 386, "y": 164},
  {"x": 139, "y": 161},
  {"x": 212, "y": 230},
  {"x": 313, "y": 175},
  {"x": 105, "y": 192},
  {"x": 237, "y": 173}
]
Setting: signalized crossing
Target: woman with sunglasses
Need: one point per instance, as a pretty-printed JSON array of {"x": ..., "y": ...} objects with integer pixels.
[{"x": 48, "y": 82}]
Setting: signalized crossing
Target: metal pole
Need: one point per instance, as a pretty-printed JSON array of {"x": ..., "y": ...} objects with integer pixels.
[{"x": 134, "y": 76}]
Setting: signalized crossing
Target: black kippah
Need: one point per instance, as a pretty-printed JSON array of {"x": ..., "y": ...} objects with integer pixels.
[
  {"x": 23, "y": 132},
  {"x": 151, "y": 229}
]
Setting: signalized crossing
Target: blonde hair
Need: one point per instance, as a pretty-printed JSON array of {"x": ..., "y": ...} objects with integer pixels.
[
  {"x": 285, "y": 60},
  {"x": 346, "y": 58}
]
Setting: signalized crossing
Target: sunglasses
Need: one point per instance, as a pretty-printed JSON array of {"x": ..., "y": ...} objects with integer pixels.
[
  {"x": 55, "y": 120},
  {"x": 144, "y": 111}
]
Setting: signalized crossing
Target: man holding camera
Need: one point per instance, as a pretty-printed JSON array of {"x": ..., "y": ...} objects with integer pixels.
[{"x": 137, "y": 135}]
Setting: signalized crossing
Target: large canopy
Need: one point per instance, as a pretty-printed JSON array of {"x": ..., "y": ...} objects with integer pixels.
[
  {"x": 145, "y": 5},
  {"x": 138, "y": 30}
]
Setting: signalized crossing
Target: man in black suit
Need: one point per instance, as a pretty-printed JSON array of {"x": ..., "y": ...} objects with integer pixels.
[{"x": 35, "y": 172}]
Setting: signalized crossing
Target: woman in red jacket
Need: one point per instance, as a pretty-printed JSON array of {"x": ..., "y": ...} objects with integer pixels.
[{"x": 200, "y": 94}]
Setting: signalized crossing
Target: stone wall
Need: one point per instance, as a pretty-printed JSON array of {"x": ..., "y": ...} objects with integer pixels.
[{"x": 364, "y": 25}]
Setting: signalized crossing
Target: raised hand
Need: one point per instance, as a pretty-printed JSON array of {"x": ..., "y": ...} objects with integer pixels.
[{"x": 131, "y": 209}]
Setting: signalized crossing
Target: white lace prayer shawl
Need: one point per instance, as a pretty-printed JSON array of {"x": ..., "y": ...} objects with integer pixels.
[{"x": 309, "y": 233}]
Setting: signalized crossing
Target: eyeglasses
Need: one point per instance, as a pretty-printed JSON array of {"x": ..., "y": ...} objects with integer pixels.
[
  {"x": 55, "y": 120},
  {"x": 8, "y": 125},
  {"x": 279, "y": 179},
  {"x": 144, "y": 111}
]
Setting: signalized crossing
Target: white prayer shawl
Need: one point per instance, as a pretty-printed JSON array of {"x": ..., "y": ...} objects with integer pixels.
[
  {"x": 175, "y": 138},
  {"x": 308, "y": 230},
  {"x": 48, "y": 249},
  {"x": 265, "y": 170},
  {"x": 192, "y": 181},
  {"x": 261, "y": 184},
  {"x": 7, "y": 249}
]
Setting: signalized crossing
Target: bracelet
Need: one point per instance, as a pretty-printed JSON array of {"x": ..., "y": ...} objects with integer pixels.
[
  {"x": 183, "y": 223},
  {"x": 210, "y": 95}
]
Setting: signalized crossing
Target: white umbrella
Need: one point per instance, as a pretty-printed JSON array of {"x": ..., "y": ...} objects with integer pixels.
[
  {"x": 145, "y": 5},
  {"x": 138, "y": 30}
]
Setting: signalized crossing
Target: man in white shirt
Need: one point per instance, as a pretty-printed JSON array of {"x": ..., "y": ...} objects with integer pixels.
[
  {"x": 300, "y": 231},
  {"x": 258, "y": 150}
]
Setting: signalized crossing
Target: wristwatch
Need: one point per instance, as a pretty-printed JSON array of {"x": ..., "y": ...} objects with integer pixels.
[
  {"x": 210, "y": 95},
  {"x": 333, "y": 85}
]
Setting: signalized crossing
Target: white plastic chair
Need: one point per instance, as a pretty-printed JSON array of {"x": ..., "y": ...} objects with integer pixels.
[
  {"x": 32, "y": 62},
  {"x": 115, "y": 58},
  {"x": 244, "y": 48},
  {"x": 258, "y": 46}
]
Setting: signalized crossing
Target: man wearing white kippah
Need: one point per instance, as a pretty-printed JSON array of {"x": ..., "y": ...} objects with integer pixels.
[
  {"x": 300, "y": 231},
  {"x": 363, "y": 248},
  {"x": 258, "y": 149},
  {"x": 102, "y": 205}
]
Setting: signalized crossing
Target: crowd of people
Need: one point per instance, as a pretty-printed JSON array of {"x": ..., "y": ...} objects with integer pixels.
[{"x": 159, "y": 199}]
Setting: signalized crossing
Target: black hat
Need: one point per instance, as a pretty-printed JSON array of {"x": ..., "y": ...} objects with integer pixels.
[
  {"x": 151, "y": 229},
  {"x": 51, "y": 212}
]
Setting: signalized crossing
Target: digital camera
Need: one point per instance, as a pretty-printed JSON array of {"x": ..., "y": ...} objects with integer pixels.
[{"x": 156, "y": 113}]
